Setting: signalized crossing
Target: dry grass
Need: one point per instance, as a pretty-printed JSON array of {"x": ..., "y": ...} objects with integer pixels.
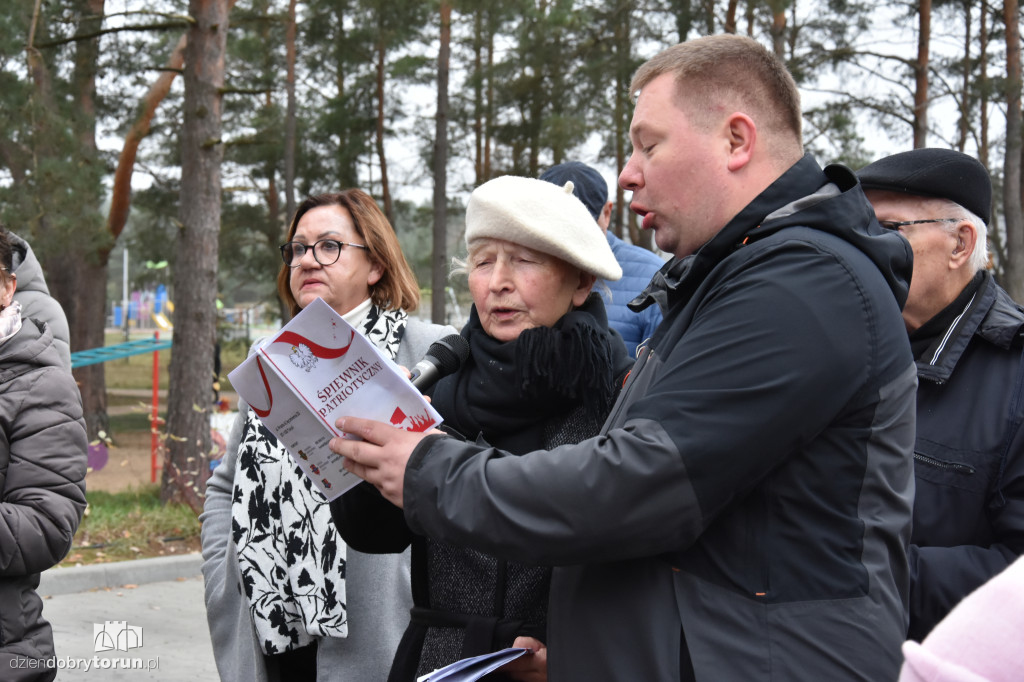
[{"x": 132, "y": 524}]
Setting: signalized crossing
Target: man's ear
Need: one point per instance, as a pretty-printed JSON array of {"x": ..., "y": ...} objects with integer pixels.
[
  {"x": 604, "y": 218},
  {"x": 742, "y": 136},
  {"x": 966, "y": 239}
]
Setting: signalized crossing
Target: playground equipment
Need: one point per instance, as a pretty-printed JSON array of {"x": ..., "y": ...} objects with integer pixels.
[{"x": 123, "y": 350}]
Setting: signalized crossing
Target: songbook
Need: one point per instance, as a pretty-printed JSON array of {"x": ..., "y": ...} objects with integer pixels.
[
  {"x": 319, "y": 368},
  {"x": 470, "y": 669}
]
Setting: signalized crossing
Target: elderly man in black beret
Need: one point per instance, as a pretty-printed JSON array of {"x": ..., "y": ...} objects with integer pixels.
[{"x": 967, "y": 336}]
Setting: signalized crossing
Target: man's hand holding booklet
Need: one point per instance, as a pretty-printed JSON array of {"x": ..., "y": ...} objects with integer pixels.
[{"x": 319, "y": 368}]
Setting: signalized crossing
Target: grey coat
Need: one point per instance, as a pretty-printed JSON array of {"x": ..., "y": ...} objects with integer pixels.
[
  {"x": 378, "y": 589},
  {"x": 36, "y": 301},
  {"x": 43, "y": 454}
]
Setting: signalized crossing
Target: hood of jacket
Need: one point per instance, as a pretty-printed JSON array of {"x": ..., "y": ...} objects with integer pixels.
[
  {"x": 1003, "y": 324},
  {"x": 829, "y": 200},
  {"x": 26, "y": 266}
]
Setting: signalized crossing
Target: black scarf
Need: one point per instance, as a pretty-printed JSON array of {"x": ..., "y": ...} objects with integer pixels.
[{"x": 507, "y": 391}]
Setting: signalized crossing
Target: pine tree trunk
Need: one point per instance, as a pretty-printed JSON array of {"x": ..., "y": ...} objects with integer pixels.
[
  {"x": 983, "y": 85},
  {"x": 289, "y": 121},
  {"x": 963, "y": 127},
  {"x": 621, "y": 111},
  {"x": 478, "y": 98},
  {"x": 1013, "y": 269},
  {"x": 385, "y": 190},
  {"x": 77, "y": 280},
  {"x": 87, "y": 331},
  {"x": 186, "y": 464},
  {"x": 439, "y": 268},
  {"x": 921, "y": 75}
]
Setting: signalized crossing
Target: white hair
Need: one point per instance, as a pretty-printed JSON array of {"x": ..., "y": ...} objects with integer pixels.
[{"x": 979, "y": 257}]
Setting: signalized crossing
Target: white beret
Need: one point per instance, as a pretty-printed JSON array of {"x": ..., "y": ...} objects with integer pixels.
[{"x": 541, "y": 216}]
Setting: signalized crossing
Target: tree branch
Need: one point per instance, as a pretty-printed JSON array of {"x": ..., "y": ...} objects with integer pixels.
[
  {"x": 245, "y": 91},
  {"x": 121, "y": 195},
  {"x": 185, "y": 22}
]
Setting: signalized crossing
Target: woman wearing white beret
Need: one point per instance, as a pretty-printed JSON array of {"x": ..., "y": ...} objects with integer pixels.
[{"x": 543, "y": 371}]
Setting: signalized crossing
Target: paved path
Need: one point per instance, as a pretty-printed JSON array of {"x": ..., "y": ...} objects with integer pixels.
[{"x": 160, "y": 600}]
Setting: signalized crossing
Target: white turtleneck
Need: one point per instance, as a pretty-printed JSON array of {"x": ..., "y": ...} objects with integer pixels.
[{"x": 357, "y": 315}]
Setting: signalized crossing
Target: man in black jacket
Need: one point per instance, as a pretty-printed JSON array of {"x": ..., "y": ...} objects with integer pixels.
[
  {"x": 966, "y": 336},
  {"x": 745, "y": 511}
]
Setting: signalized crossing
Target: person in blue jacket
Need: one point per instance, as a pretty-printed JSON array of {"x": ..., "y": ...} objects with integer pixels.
[
  {"x": 967, "y": 336},
  {"x": 745, "y": 511},
  {"x": 638, "y": 264}
]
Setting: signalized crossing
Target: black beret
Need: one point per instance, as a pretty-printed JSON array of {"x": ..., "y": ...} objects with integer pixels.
[
  {"x": 940, "y": 173},
  {"x": 587, "y": 184}
]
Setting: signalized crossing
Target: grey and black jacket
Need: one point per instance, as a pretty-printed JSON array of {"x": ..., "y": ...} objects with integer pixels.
[
  {"x": 43, "y": 455},
  {"x": 969, "y": 456},
  {"x": 746, "y": 511}
]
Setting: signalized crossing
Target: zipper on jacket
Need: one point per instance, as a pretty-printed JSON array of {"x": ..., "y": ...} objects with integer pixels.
[
  {"x": 948, "y": 466},
  {"x": 949, "y": 332}
]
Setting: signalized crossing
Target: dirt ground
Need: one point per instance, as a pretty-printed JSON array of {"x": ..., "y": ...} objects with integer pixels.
[
  {"x": 128, "y": 464},
  {"x": 129, "y": 459}
]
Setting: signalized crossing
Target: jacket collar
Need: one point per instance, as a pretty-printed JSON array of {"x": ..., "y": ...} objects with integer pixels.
[{"x": 990, "y": 314}]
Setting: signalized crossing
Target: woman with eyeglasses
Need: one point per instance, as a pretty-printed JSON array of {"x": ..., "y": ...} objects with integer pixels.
[{"x": 285, "y": 598}]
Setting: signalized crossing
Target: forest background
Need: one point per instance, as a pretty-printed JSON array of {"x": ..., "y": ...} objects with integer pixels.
[{"x": 186, "y": 132}]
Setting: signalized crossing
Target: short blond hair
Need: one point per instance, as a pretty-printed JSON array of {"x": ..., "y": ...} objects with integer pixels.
[{"x": 729, "y": 71}]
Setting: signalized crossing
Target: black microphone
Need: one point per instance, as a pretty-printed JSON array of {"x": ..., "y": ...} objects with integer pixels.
[{"x": 444, "y": 357}]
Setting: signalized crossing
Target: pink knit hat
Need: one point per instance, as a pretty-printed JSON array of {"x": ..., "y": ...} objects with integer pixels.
[{"x": 981, "y": 640}]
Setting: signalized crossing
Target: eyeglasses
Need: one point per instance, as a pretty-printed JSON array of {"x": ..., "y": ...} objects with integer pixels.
[
  {"x": 325, "y": 251},
  {"x": 897, "y": 224}
]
